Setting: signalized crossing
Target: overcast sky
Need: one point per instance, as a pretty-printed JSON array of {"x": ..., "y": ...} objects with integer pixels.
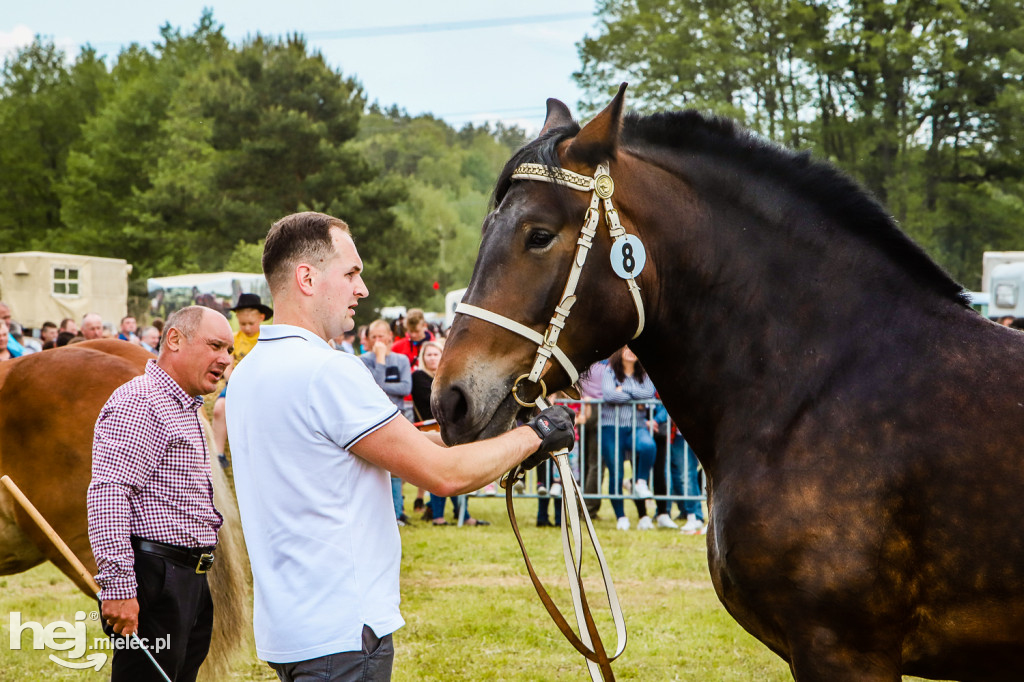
[{"x": 462, "y": 60}]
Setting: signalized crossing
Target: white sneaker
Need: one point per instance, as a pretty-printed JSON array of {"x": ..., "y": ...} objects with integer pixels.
[
  {"x": 623, "y": 523},
  {"x": 645, "y": 523},
  {"x": 642, "y": 491},
  {"x": 488, "y": 490},
  {"x": 665, "y": 521},
  {"x": 692, "y": 526},
  {"x": 519, "y": 487},
  {"x": 542, "y": 490},
  {"x": 556, "y": 490}
]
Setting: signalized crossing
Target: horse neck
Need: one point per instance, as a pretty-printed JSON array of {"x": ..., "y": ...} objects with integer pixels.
[{"x": 754, "y": 308}]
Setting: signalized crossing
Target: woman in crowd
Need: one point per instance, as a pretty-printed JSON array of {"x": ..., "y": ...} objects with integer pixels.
[
  {"x": 422, "y": 380},
  {"x": 625, "y": 380}
]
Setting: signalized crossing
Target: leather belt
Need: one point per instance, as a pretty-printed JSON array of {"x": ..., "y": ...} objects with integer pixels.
[{"x": 200, "y": 558}]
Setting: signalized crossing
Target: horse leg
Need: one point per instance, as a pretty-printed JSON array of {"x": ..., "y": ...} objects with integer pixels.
[
  {"x": 17, "y": 551},
  {"x": 822, "y": 657}
]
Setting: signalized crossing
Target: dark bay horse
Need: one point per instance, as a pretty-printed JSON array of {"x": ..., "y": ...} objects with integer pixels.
[
  {"x": 862, "y": 428},
  {"x": 49, "y": 402}
]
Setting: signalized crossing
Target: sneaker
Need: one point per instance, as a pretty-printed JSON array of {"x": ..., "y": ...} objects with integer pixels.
[
  {"x": 642, "y": 491},
  {"x": 692, "y": 526},
  {"x": 645, "y": 523},
  {"x": 488, "y": 490},
  {"x": 556, "y": 490},
  {"x": 665, "y": 521},
  {"x": 542, "y": 489},
  {"x": 623, "y": 523},
  {"x": 519, "y": 487}
]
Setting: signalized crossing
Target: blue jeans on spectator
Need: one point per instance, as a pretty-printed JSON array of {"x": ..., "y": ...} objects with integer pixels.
[
  {"x": 689, "y": 485},
  {"x": 437, "y": 506},
  {"x": 396, "y": 496},
  {"x": 614, "y": 454}
]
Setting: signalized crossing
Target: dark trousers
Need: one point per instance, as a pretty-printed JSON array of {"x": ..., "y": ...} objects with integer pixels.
[
  {"x": 661, "y": 481},
  {"x": 175, "y": 608},
  {"x": 591, "y": 463},
  {"x": 372, "y": 664}
]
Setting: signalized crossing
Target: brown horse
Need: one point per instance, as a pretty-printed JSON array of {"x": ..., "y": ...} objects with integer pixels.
[
  {"x": 860, "y": 425},
  {"x": 49, "y": 402}
]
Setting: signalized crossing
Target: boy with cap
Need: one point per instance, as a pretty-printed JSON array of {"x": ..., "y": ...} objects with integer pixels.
[{"x": 250, "y": 313}]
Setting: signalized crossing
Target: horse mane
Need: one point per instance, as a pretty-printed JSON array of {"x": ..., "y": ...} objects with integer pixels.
[{"x": 833, "y": 192}]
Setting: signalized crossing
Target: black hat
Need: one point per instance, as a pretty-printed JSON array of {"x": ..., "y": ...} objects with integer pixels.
[{"x": 252, "y": 301}]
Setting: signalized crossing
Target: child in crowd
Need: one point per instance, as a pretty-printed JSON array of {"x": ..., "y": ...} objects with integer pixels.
[{"x": 250, "y": 313}]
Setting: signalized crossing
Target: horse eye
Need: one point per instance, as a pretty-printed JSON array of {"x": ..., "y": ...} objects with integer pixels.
[{"x": 538, "y": 239}]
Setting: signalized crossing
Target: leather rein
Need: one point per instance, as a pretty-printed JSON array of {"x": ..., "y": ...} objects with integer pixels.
[{"x": 628, "y": 258}]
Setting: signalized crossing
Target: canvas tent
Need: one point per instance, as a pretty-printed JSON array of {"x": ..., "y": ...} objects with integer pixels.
[
  {"x": 41, "y": 286},
  {"x": 217, "y": 290}
]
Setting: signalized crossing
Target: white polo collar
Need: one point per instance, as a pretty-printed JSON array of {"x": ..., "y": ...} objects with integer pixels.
[{"x": 280, "y": 332}]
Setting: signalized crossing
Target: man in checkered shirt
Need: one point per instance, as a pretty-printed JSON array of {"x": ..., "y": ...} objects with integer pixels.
[{"x": 152, "y": 522}]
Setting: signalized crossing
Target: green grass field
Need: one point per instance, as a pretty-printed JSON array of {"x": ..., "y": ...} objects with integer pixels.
[{"x": 472, "y": 614}]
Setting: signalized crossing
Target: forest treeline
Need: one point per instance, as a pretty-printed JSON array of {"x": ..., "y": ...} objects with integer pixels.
[{"x": 178, "y": 156}]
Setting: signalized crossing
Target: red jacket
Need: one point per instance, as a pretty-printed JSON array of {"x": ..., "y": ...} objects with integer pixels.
[{"x": 411, "y": 349}]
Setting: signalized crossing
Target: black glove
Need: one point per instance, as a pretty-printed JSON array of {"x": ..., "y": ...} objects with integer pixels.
[{"x": 556, "y": 427}]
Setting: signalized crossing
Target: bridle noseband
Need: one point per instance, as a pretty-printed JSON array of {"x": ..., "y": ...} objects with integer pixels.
[{"x": 627, "y": 246}]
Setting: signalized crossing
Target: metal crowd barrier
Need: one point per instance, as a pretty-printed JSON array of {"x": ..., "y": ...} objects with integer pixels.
[{"x": 591, "y": 440}]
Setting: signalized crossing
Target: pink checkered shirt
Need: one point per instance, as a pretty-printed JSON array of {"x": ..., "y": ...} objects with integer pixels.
[{"x": 150, "y": 477}]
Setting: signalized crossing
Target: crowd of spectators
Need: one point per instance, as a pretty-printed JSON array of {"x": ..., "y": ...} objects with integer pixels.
[
  {"x": 15, "y": 342},
  {"x": 403, "y": 355}
]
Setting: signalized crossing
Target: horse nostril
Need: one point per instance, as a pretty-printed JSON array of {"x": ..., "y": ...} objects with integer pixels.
[{"x": 453, "y": 405}]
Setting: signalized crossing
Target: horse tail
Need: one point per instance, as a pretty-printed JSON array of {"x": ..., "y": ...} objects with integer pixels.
[{"x": 229, "y": 585}]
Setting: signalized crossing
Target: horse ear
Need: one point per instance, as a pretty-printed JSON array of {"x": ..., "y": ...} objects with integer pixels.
[
  {"x": 599, "y": 138},
  {"x": 558, "y": 116}
]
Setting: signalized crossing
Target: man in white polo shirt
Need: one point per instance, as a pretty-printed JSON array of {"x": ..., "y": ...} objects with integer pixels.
[{"x": 313, "y": 441}]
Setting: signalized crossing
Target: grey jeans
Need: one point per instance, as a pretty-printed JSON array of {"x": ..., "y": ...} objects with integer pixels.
[{"x": 372, "y": 664}]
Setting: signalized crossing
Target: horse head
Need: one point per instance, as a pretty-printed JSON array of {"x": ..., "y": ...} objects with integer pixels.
[{"x": 527, "y": 255}]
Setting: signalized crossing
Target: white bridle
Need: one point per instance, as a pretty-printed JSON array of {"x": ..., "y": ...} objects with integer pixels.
[
  {"x": 547, "y": 347},
  {"x": 547, "y": 344}
]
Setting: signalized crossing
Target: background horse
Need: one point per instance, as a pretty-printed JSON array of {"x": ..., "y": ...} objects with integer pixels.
[
  {"x": 49, "y": 402},
  {"x": 860, "y": 425}
]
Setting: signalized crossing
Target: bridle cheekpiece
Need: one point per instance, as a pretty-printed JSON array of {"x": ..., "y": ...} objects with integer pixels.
[{"x": 628, "y": 259}]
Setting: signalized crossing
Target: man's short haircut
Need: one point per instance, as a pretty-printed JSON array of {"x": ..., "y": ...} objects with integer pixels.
[
  {"x": 64, "y": 323},
  {"x": 186, "y": 321},
  {"x": 48, "y": 325},
  {"x": 414, "y": 319},
  {"x": 377, "y": 324},
  {"x": 127, "y": 317},
  {"x": 299, "y": 237}
]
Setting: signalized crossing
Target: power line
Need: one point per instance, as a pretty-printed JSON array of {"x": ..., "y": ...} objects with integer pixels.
[
  {"x": 437, "y": 27},
  {"x": 407, "y": 29}
]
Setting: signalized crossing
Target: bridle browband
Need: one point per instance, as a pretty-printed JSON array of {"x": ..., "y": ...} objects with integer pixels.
[
  {"x": 588, "y": 643},
  {"x": 547, "y": 344}
]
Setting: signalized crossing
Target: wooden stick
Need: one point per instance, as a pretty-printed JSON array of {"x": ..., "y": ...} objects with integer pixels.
[
  {"x": 51, "y": 534},
  {"x": 69, "y": 556}
]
